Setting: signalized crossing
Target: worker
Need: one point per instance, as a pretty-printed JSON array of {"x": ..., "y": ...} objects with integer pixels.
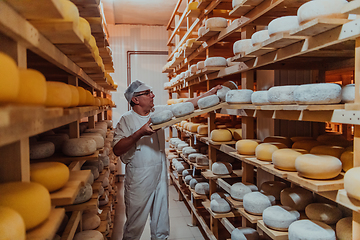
[{"x": 143, "y": 151}]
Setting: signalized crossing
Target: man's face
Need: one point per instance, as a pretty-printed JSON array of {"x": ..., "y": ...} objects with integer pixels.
[{"x": 145, "y": 98}]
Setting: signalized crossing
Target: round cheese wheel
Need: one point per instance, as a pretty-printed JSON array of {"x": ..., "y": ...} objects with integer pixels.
[
  {"x": 52, "y": 175},
  {"x": 216, "y": 22},
  {"x": 10, "y": 79},
  {"x": 192, "y": 157},
  {"x": 280, "y": 217},
  {"x": 75, "y": 97},
  {"x": 296, "y": 198},
  {"x": 255, "y": 203},
  {"x": 70, "y": 12},
  {"x": 220, "y": 205},
  {"x": 202, "y": 160},
  {"x": 284, "y": 159},
  {"x": 282, "y": 94},
  {"x": 202, "y": 188},
  {"x": 187, "y": 179},
  {"x": 221, "y": 168},
  {"x": 348, "y": 93},
  {"x": 186, "y": 172},
  {"x": 32, "y": 88},
  {"x": 260, "y": 98},
  {"x": 208, "y": 101},
  {"x": 318, "y": 166},
  {"x": 236, "y": 3},
  {"x": 272, "y": 188},
  {"x": 188, "y": 150},
  {"x": 201, "y": 32},
  {"x": 96, "y": 130},
  {"x": 334, "y": 151},
  {"x": 43, "y": 149},
  {"x": 181, "y": 146},
  {"x": 12, "y": 225},
  {"x": 202, "y": 129},
  {"x": 173, "y": 140},
  {"x": 76, "y": 147},
  {"x": 305, "y": 144},
  {"x": 239, "y": 96},
  {"x": 219, "y": 195},
  {"x": 193, "y": 69},
  {"x": 85, "y": 29},
  {"x": 334, "y": 139},
  {"x": 244, "y": 233},
  {"x": 344, "y": 228},
  {"x": 259, "y": 37},
  {"x": 161, "y": 117},
  {"x": 90, "y": 221},
  {"x": 58, "y": 94},
  {"x": 195, "y": 181},
  {"x": 320, "y": 8},
  {"x": 84, "y": 194},
  {"x": 297, "y": 139},
  {"x": 352, "y": 182},
  {"x": 238, "y": 191},
  {"x": 323, "y": 212},
  {"x": 347, "y": 160},
  {"x": 193, "y": 128},
  {"x": 215, "y": 62},
  {"x": 57, "y": 139},
  {"x": 310, "y": 230},
  {"x": 95, "y": 136},
  {"x": 89, "y": 98},
  {"x": 242, "y": 46},
  {"x": 221, "y": 135},
  {"x": 89, "y": 234},
  {"x": 283, "y": 24},
  {"x": 280, "y": 139},
  {"x": 246, "y": 146},
  {"x": 94, "y": 170},
  {"x": 182, "y": 109},
  {"x": 264, "y": 151},
  {"x": 237, "y": 133},
  {"x": 221, "y": 93},
  {"x": 200, "y": 65},
  {"x": 318, "y": 93},
  {"x": 31, "y": 200}
]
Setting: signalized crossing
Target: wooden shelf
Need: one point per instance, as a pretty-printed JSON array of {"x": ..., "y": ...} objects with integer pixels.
[
  {"x": 209, "y": 174},
  {"x": 208, "y": 141},
  {"x": 276, "y": 172},
  {"x": 72, "y": 225},
  {"x": 256, "y": 162},
  {"x": 232, "y": 213},
  {"x": 234, "y": 203},
  {"x": 89, "y": 205},
  {"x": 349, "y": 202},
  {"x": 275, "y": 235},
  {"x": 318, "y": 26},
  {"x": 250, "y": 217}
]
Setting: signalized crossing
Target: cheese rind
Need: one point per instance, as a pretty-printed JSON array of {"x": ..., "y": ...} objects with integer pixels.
[
  {"x": 12, "y": 225},
  {"x": 202, "y": 188},
  {"x": 259, "y": 37},
  {"x": 264, "y": 151},
  {"x": 246, "y": 146},
  {"x": 161, "y": 117},
  {"x": 280, "y": 217},
  {"x": 280, "y": 139},
  {"x": 318, "y": 93},
  {"x": 202, "y": 160},
  {"x": 348, "y": 93},
  {"x": 283, "y": 25},
  {"x": 272, "y": 188},
  {"x": 221, "y": 135},
  {"x": 39, "y": 150},
  {"x": 221, "y": 93},
  {"x": 334, "y": 151},
  {"x": 208, "y": 101},
  {"x": 255, "y": 203},
  {"x": 182, "y": 109},
  {"x": 244, "y": 233},
  {"x": 305, "y": 144},
  {"x": 215, "y": 62},
  {"x": 77, "y": 147},
  {"x": 282, "y": 94},
  {"x": 32, "y": 88},
  {"x": 90, "y": 221},
  {"x": 347, "y": 160},
  {"x": 318, "y": 166},
  {"x": 84, "y": 194},
  {"x": 284, "y": 159},
  {"x": 200, "y": 65},
  {"x": 201, "y": 32},
  {"x": 352, "y": 182},
  {"x": 242, "y": 46},
  {"x": 239, "y": 96},
  {"x": 296, "y": 198},
  {"x": 58, "y": 94},
  {"x": 220, "y": 205},
  {"x": 344, "y": 228},
  {"x": 310, "y": 230},
  {"x": 323, "y": 212},
  {"x": 216, "y": 22},
  {"x": 221, "y": 168},
  {"x": 10, "y": 79},
  {"x": 89, "y": 234},
  {"x": 238, "y": 191},
  {"x": 260, "y": 98}
]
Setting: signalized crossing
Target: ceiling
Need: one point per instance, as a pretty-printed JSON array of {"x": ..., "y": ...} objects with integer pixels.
[{"x": 144, "y": 12}]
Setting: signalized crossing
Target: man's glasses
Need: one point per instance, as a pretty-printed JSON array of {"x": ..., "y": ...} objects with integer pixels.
[{"x": 147, "y": 93}]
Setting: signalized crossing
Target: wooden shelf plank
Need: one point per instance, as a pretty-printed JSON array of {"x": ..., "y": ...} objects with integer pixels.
[
  {"x": 208, "y": 70},
  {"x": 234, "y": 203},
  {"x": 318, "y": 26},
  {"x": 240, "y": 10},
  {"x": 41, "y": 9},
  {"x": 209, "y": 32},
  {"x": 232, "y": 213},
  {"x": 72, "y": 225},
  {"x": 255, "y": 162},
  {"x": 224, "y": 185},
  {"x": 58, "y": 157},
  {"x": 250, "y": 217},
  {"x": 258, "y": 51},
  {"x": 275, "y": 235},
  {"x": 209, "y": 174},
  {"x": 207, "y": 140},
  {"x": 239, "y": 156},
  {"x": 347, "y": 201},
  {"x": 92, "y": 204},
  {"x": 193, "y": 13},
  {"x": 281, "y": 40},
  {"x": 277, "y": 172},
  {"x": 352, "y": 7}
]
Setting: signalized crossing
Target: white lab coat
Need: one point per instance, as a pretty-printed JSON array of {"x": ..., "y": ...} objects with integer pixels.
[{"x": 146, "y": 182}]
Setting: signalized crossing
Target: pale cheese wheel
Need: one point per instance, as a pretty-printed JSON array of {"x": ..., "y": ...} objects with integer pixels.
[
  {"x": 94, "y": 170},
  {"x": 58, "y": 94},
  {"x": 90, "y": 221},
  {"x": 280, "y": 217},
  {"x": 237, "y": 134},
  {"x": 344, "y": 229},
  {"x": 77, "y": 147},
  {"x": 347, "y": 160},
  {"x": 161, "y": 117},
  {"x": 215, "y": 62},
  {"x": 348, "y": 93},
  {"x": 334, "y": 151},
  {"x": 244, "y": 233},
  {"x": 192, "y": 157},
  {"x": 282, "y": 94},
  {"x": 283, "y": 25},
  {"x": 89, "y": 234},
  {"x": 187, "y": 179},
  {"x": 284, "y": 159},
  {"x": 182, "y": 109},
  {"x": 10, "y": 79},
  {"x": 259, "y": 37},
  {"x": 323, "y": 212},
  {"x": 84, "y": 194},
  {"x": 200, "y": 65},
  {"x": 194, "y": 181},
  {"x": 32, "y": 88},
  {"x": 43, "y": 149},
  {"x": 208, "y": 101},
  {"x": 264, "y": 151},
  {"x": 188, "y": 150},
  {"x": 260, "y": 98},
  {"x": 306, "y": 144},
  {"x": 296, "y": 198},
  {"x": 221, "y": 135},
  {"x": 280, "y": 139},
  {"x": 31, "y": 200},
  {"x": 186, "y": 172},
  {"x": 221, "y": 93},
  {"x": 219, "y": 195},
  {"x": 246, "y": 146},
  {"x": 318, "y": 166},
  {"x": 12, "y": 225},
  {"x": 236, "y": 3},
  {"x": 96, "y": 130},
  {"x": 320, "y": 8},
  {"x": 310, "y": 230},
  {"x": 318, "y": 93},
  {"x": 216, "y": 22},
  {"x": 202, "y": 188},
  {"x": 238, "y": 191},
  {"x": 173, "y": 140},
  {"x": 95, "y": 136},
  {"x": 239, "y": 96},
  {"x": 272, "y": 188},
  {"x": 255, "y": 203},
  {"x": 52, "y": 175},
  {"x": 193, "y": 69},
  {"x": 202, "y": 129},
  {"x": 220, "y": 205},
  {"x": 202, "y": 160},
  {"x": 242, "y": 46},
  {"x": 105, "y": 182},
  {"x": 85, "y": 29},
  {"x": 352, "y": 182},
  {"x": 221, "y": 168},
  {"x": 193, "y": 128},
  {"x": 201, "y": 32},
  {"x": 57, "y": 139},
  {"x": 181, "y": 146}
]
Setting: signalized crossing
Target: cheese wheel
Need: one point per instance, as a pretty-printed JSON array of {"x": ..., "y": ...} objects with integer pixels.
[
  {"x": 161, "y": 117},
  {"x": 57, "y": 139},
  {"x": 318, "y": 166},
  {"x": 182, "y": 109},
  {"x": 264, "y": 151},
  {"x": 85, "y": 29},
  {"x": 181, "y": 146},
  {"x": 352, "y": 182},
  {"x": 230, "y": 63},
  {"x": 94, "y": 170},
  {"x": 90, "y": 221},
  {"x": 190, "y": 41},
  {"x": 284, "y": 159},
  {"x": 216, "y": 22},
  {"x": 260, "y": 98},
  {"x": 10, "y": 79},
  {"x": 347, "y": 160},
  {"x": 259, "y": 37},
  {"x": 32, "y": 88},
  {"x": 195, "y": 181},
  {"x": 70, "y": 12},
  {"x": 12, "y": 225},
  {"x": 221, "y": 135},
  {"x": 244, "y": 233},
  {"x": 208, "y": 101},
  {"x": 82, "y": 96},
  {"x": 255, "y": 203},
  {"x": 187, "y": 179},
  {"x": 305, "y": 144},
  {"x": 192, "y": 157},
  {"x": 334, "y": 139},
  {"x": 202, "y": 188},
  {"x": 188, "y": 150},
  {"x": 238, "y": 191},
  {"x": 31, "y": 200},
  {"x": 237, "y": 133},
  {"x": 186, "y": 172},
  {"x": 202, "y": 160},
  {"x": 272, "y": 188},
  {"x": 84, "y": 194},
  {"x": 246, "y": 146},
  {"x": 77, "y": 147},
  {"x": 221, "y": 93},
  {"x": 219, "y": 195},
  {"x": 318, "y": 93},
  {"x": 58, "y": 94},
  {"x": 323, "y": 212},
  {"x": 297, "y": 139},
  {"x": 280, "y": 139},
  {"x": 296, "y": 198},
  {"x": 89, "y": 234},
  {"x": 242, "y": 46},
  {"x": 220, "y": 205},
  {"x": 236, "y": 3},
  {"x": 194, "y": 127},
  {"x": 97, "y": 137},
  {"x": 75, "y": 97},
  {"x": 310, "y": 230},
  {"x": 344, "y": 229},
  {"x": 89, "y": 98},
  {"x": 201, "y": 32},
  {"x": 39, "y": 150},
  {"x": 283, "y": 25},
  {"x": 348, "y": 93},
  {"x": 193, "y": 69},
  {"x": 96, "y": 130},
  {"x": 334, "y": 151},
  {"x": 215, "y": 62},
  {"x": 280, "y": 217},
  {"x": 320, "y": 8},
  {"x": 282, "y": 94},
  {"x": 221, "y": 168},
  {"x": 52, "y": 175},
  {"x": 200, "y": 65},
  {"x": 239, "y": 96}
]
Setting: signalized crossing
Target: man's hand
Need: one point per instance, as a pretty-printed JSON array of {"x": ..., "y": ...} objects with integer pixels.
[
  {"x": 146, "y": 129},
  {"x": 215, "y": 89}
]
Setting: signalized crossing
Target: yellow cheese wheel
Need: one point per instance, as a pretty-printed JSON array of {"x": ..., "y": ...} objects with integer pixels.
[
  {"x": 347, "y": 160},
  {"x": 246, "y": 146},
  {"x": 280, "y": 139},
  {"x": 97, "y": 102},
  {"x": 334, "y": 151},
  {"x": 237, "y": 134},
  {"x": 306, "y": 144},
  {"x": 75, "y": 96},
  {"x": 89, "y": 98},
  {"x": 318, "y": 166},
  {"x": 92, "y": 43},
  {"x": 344, "y": 229},
  {"x": 58, "y": 94},
  {"x": 202, "y": 129},
  {"x": 9, "y": 80},
  {"x": 193, "y": 128},
  {"x": 185, "y": 126},
  {"x": 352, "y": 182},
  {"x": 32, "y": 88},
  {"x": 70, "y": 11},
  {"x": 52, "y": 175},
  {"x": 85, "y": 29},
  {"x": 284, "y": 159},
  {"x": 31, "y": 200},
  {"x": 192, "y": 6},
  {"x": 265, "y": 150},
  {"x": 12, "y": 225},
  {"x": 182, "y": 123},
  {"x": 221, "y": 135},
  {"x": 82, "y": 96}
]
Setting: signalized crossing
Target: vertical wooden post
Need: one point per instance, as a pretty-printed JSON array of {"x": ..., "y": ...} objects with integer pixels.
[
  {"x": 74, "y": 129},
  {"x": 214, "y": 225},
  {"x": 177, "y": 35},
  {"x": 91, "y": 121},
  {"x": 356, "y": 225}
]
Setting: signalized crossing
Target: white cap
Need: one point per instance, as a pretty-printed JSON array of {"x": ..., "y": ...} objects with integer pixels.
[{"x": 134, "y": 87}]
